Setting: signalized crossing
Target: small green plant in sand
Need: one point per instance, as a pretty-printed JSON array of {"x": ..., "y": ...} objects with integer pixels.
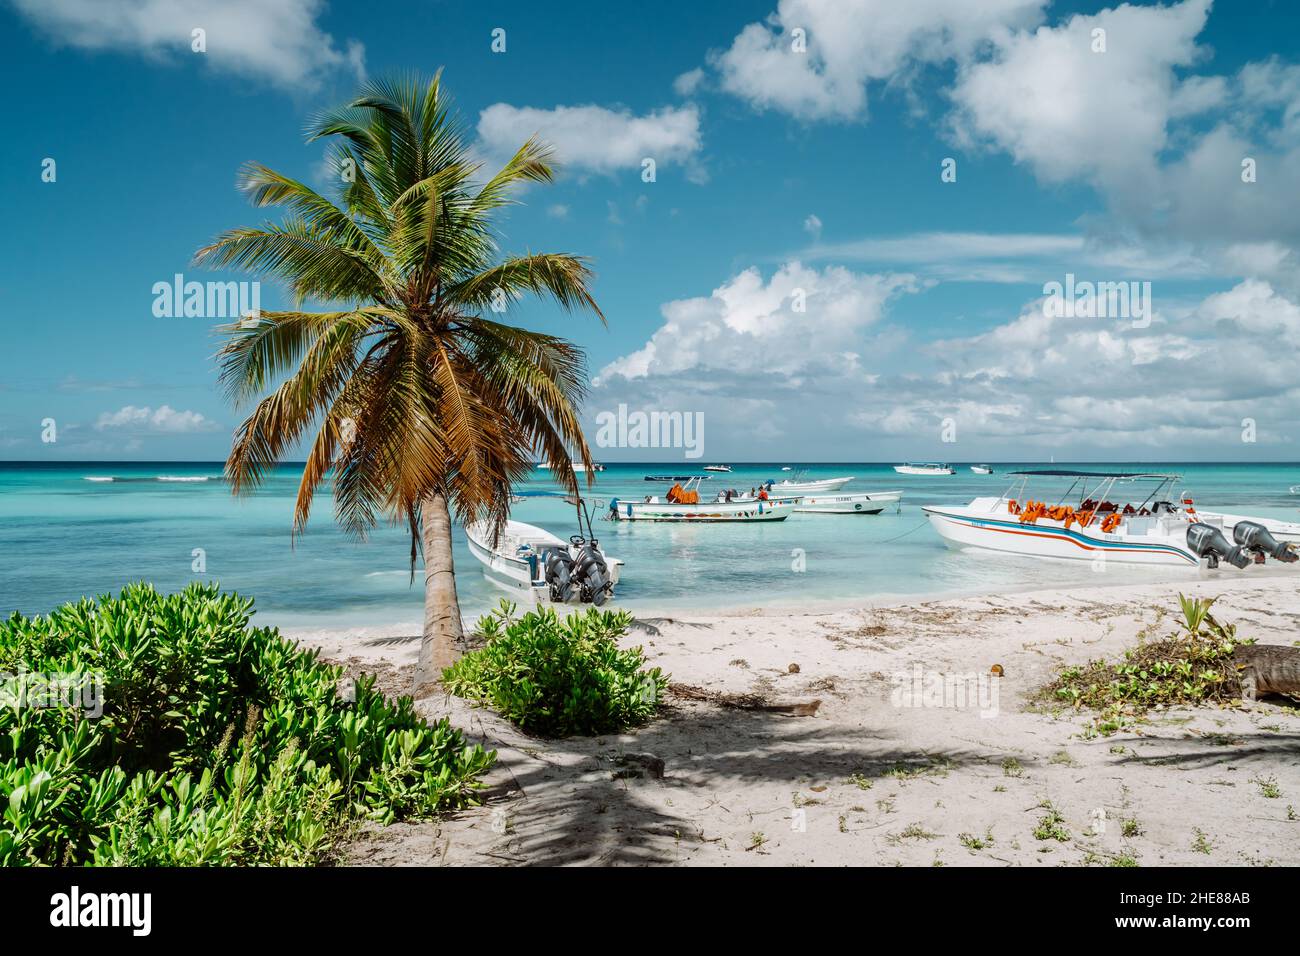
[
  {"x": 973, "y": 842},
  {"x": 1051, "y": 825},
  {"x": 1011, "y": 767},
  {"x": 1130, "y": 828},
  {"x": 1202, "y": 843},
  {"x": 1194, "y": 666},
  {"x": 559, "y": 676},
  {"x": 861, "y": 782},
  {"x": 1268, "y": 787}
]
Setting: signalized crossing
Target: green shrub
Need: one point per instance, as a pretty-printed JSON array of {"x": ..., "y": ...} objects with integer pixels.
[
  {"x": 557, "y": 677},
  {"x": 1192, "y": 667},
  {"x": 219, "y": 743}
]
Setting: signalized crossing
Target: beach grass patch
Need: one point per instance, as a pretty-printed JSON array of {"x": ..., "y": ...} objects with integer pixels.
[
  {"x": 1193, "y": 666},
  {"x": 215, "y": 743},
  {"x": 558, "y": 676}
]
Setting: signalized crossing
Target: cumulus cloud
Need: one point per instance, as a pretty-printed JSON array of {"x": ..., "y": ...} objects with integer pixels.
[
  {"x": 276, "y": 40},
  {"x": 140, "y": 418},
  {"x": 795, "y": 323},
  {"x": 847, "y": 44},
  {"x": 776, "y": 383},
  {"x": 593, "y": 138}
]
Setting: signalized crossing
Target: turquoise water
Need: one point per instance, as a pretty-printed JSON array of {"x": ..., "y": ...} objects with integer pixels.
[{"x": 62, "y": 536}]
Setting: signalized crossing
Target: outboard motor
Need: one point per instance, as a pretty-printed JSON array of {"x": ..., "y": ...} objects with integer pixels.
[
  {"x": 590, "y": 571},
  {"x": 1207, "y": 541},
  {"x": 559, "y": 575},
  {"x": 1253, "y": 535}
]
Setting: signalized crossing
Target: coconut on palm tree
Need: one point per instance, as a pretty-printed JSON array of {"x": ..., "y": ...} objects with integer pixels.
[{"x": 405, "y": 391}]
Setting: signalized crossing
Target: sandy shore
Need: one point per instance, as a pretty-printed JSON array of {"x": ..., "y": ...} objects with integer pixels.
[{"x": 875, "y": 778}]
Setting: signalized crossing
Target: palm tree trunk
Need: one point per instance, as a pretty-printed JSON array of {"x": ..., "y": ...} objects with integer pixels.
[{"x": 443, "y": 636}]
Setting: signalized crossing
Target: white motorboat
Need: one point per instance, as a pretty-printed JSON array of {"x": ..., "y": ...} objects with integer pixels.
[
  {"x": 684, "y": 504},
  {"x": 531, "y": 561},
  {"x": 578, "y": 467},
  {"x": 981, "y": 469},
  {"x": 861, "y": 503},
  {"x": 788, "y": 487},
  {"x": 1103, "y": 524},
  {"x": 722, "y": 468},
  {"x": 924, "y": 468}
]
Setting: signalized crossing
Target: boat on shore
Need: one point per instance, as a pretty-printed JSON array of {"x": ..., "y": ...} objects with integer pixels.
[
  {"x": 863, "y": 502},
  {"x": 925, "y": 468},
  {"x": 981, "y": 469},
  {"x": 532, "y": 562},
  {"x": 726, "y": 469},
  {"x": 1092, "y": 520}
]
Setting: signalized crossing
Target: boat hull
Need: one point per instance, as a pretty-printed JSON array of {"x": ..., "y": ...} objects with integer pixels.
[
  {"x": 864, "y": 503},
  {"x": 825, "y": 485},
  {"x": 515, "y": 574},
  {"x": 705, "y": 511},
  {"x": 965, "y": 528},
  {"x": 912, "y": 470}
]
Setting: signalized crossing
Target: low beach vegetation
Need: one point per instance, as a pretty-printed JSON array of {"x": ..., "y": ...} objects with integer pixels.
[
  {"x": 556, "y": 676},
  {"x": 196, "y": 739}
]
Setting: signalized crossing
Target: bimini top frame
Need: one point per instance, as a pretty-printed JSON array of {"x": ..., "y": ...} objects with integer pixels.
[{"x": 1095, "y": 484}]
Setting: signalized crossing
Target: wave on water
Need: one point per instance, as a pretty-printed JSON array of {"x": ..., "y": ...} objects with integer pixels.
[
  {"x": 95, "y": 478},
  {"x": 182, "y": 477},
  {"x": 138, "y": 478}
]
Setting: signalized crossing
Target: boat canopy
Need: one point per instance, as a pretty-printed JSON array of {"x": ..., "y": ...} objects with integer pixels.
[{"x": 1057, "y": 473}]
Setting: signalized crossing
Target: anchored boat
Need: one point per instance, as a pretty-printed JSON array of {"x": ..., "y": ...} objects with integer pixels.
[
  {"x": 981, "y": 469},
  {"x": 1093, "y": 519},
  {"x": 924, "y": 468},
  {"x": 682, "y": 503},
  {"x": 862, "y": 503},
  {"x": 530, "y": 560},
  {"x": 797, "y": 487},
  {"x": 722, "y": 468}
]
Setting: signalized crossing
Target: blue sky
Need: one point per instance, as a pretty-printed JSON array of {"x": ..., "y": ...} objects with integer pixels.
[{"x": 783, "y": 176}]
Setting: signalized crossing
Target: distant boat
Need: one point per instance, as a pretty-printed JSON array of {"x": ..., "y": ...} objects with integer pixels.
[
  {"x": 786, "y": 468},
  {"x": 789, "y": 487},
  {"x": 981, "y": 469},
  {"x": 654, "y": 508},
  {"x": 924, "y": 468},
  {"x": 723, "y": 468},
  {"x": 678, "y": 477},
  {"x": 863, "y": 502},
  {"x": 578, "y": 467}
]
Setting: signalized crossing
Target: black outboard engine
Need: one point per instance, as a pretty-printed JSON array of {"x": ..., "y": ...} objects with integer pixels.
[
  {"x": 1253, "y": 535},
  {"x": 1207, "y": 541},
  {"x": 590, "y": 571},
  {"x": 559, "y": 574}
]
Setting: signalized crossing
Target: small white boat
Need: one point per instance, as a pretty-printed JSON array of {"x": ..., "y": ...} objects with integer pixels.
[
  {"x": 924, "y": 468},
  {"x": 788, "y": 487},
  {"x": 531, "y": 561},
  {"x": 860, "y": 503},
  {"x": 786, "y": 468},
  {"x": 981, "y": 469},
  {"x": 578, "y": 467},
  {"x": 745, "y": 508},
  {"x": 723, "y": 468},
  {"x": 1151, "y": 530}
]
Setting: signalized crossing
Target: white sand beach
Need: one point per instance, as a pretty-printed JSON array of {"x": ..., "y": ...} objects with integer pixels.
[{"x": 864, "y": 780}]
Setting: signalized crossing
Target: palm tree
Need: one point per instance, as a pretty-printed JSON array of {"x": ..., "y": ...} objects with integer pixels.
[{"x": 420, "y": 404}]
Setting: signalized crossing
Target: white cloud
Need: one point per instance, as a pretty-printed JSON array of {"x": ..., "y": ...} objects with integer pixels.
[
  {"x": 140, "y": 418},
  {"x": 1069, "y": 112},
  {"x": 798, "y": 321},
  {"x": 688, "y": 82},
  {"x": 785, "y": 385},
  {"x": 276, "y": 40},
  {"x": 813, "y": 225},
  {"x": 850, "y": 43},
  {"x": 595, "y": 139},
  {"x": 558, "y": 211}
]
